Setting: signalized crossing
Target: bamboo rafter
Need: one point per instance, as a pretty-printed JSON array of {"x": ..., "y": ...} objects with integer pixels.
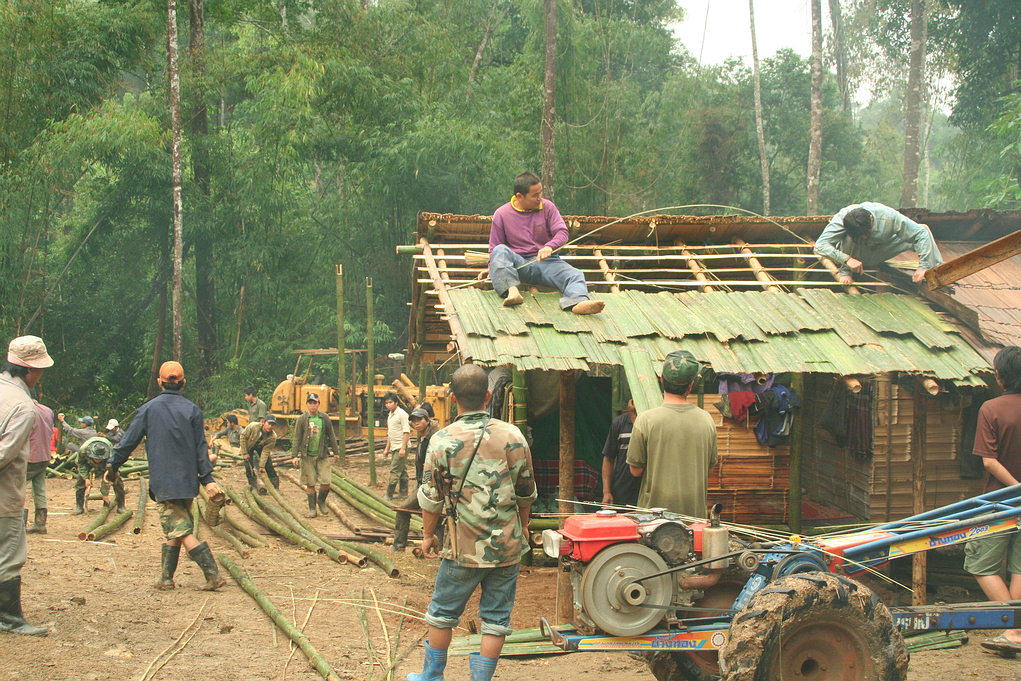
[
  {"x": 441, "y": 289},
  {"x": 698, "y": 270},
  {"x": 757, "y": 268},
  {"x": 608, "y": 274}
]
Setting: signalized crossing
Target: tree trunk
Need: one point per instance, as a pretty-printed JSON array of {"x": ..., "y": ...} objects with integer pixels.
[
  {"x": 174, "y": 76},
  {"x": 815, "y": 126},
  {"x": 157, "y": 348},
  {"x": 840, "y": 54},
  {"x": 487, "y": 35},
  {"x": 549, "y": 89},
  {"x": 205, "y": 283},
  {"x": 913, "y": 105},
  {"x": 759, "y": 129}
]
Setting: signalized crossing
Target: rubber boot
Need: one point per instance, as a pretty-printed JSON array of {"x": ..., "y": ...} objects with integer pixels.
[
  {"x": 390, "y": 491},
  {"x": 39, "y": 525},
  {"x": 203, "y": 557},
  {"x": 24, "y": 517},
  {"x": 12, "y": 619},
  {"x": 402, "y": 524},
  {"x": 432, "y": 668},
  {"x": 404, "y": 488},
  {"x": 324, "y": 510},
  {"x": 275, "y": 481},
  {"x": 119, "y": 501},
  {"x": 311, "y": 506},
  {"x": 168, "y": 562},
  {"x": 481, "y": 667},
  {"x": 79, "y": 502}
]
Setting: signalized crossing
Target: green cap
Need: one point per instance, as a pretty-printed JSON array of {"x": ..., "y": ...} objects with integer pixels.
[{"x": 680, "y": 368}]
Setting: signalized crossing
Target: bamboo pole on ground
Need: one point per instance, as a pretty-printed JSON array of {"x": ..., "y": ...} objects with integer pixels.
[
  {"x": 143, "y": 494},
  {"x": 341, "y": 371},
  {"x": 295, "y": 515},
  {"x": 110, "y": 527},
  {"x": 222, "y": 533},
  {"x": 344, "y": 519},
  {"x": 96, "y": 522},
  {"x": 260, "y": 516},
  {"x": 299, "y": 638}
]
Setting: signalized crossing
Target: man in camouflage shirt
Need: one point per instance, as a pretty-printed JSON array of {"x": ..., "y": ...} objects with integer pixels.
[
  {"x": 478, "y": 471},
  {"x": 257, "y": 441}
]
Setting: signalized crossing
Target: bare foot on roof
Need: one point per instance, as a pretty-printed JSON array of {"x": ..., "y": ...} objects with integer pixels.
[{"x": 587, "y": 307}]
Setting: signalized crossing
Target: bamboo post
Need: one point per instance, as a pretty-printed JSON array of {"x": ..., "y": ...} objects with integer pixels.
[
  {"x": 796, "y": 457},
  {"x": 143, "y": 493},
  {"x": 370, "y": 371},
  {"x": 757, "y": 268},
  {"x": 519, "y": 389},
  {"x": 919, "y": 434},
  {"x": 341, "y": 372},
  {"x": 565, "y": 598},
  {"x": 295, "y": 634},
  {"x": 698, "y": 270}
]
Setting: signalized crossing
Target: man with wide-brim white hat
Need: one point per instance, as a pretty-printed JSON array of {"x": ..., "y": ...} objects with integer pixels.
[{"x": 26, "y": 360}]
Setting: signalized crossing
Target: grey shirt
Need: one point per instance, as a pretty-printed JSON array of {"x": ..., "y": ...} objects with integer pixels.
[{"x": 17, "y": 418}]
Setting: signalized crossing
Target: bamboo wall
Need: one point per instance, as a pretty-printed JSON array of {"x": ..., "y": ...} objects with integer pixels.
[
  {"x": 750, "y": 480},
  {"x": 880, "y": 489}
]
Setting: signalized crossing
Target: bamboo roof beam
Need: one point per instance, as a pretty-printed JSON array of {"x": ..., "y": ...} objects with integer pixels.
[
  {"x": 835, "y": 271},
  {"x": 757, "y": 268},
  {"x": 698, "y": 270},
  {"x": 451, "y": 312},
  {"x": 705, "y": 282},
  {"x": 608, "y": 274}
]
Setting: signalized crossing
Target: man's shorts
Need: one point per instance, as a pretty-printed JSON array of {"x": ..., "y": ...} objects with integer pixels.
[
  {"x": 454, "y": 586},
  {"x": 986, "y": 556},
  {"x": 175, "y": 518},
  {"x": 315, "y": 470}
]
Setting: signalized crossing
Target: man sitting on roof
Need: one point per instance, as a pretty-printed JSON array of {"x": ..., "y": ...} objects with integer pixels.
[
  {"x": 871, "y": 233},
  {"x": 526, "y": 231}
]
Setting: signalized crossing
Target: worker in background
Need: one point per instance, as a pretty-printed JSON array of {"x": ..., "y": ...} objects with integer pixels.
[
  {"x": 620, "y": 488},
  {"x": 526, "y": 232},
  {"x": 231, "y": 430},
  {"x": 998, "y": 442},
  {"x": 398, "y": 434},
  {"x": 674, "y": 445},
  {"x": 256, "y": 408},
  {"x": 93, "y": 456},
  {"x": 314, "y": 440},
  {"x": 26, "y": 360},
  {"x": 257, "y": 440},
  {"x": 870, "y": 233},
  {"x": 478, "y": 472},
  {"x": 175, "y": 443},
  {"x": 114, "y": 432},
  {"x": 85, "y": 430},
  {"x": 422, "y": 426},
  {"x": 39, "y": 456}
]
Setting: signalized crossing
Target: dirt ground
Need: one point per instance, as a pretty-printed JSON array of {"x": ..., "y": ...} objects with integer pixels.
[{"x": 108, "y": 623}]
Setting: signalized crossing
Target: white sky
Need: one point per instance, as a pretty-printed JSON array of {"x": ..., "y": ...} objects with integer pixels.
[{"x": 724, "y": 25}]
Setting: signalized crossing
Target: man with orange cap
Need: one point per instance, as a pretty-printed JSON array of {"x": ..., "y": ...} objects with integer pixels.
[
  {"x": 26, "y": 359},
  {"x": 178, "y": 461}
]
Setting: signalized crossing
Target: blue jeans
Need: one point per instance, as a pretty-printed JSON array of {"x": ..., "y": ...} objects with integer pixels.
[
  {"x": 455, "y": 585},
  {"x": 551, "y": 272}
]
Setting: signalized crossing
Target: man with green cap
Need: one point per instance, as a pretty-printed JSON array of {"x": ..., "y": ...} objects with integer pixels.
[{"x": 674, "y": 444}]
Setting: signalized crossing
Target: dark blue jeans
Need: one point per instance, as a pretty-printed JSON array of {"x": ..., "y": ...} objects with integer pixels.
[{"x": 551, "y": 272}]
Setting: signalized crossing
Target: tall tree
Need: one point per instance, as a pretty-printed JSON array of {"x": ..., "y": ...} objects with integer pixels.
[
  {"x": 913, "y": 104},
  {"x": 549, "y": 92},
  {"x": 174, "y": 78},
  {"x": 815, "y": 125},
  {"x": 759, "y": 130},
  {"x": 205, "y": 284},
  {"x": 840, "y": 54}
]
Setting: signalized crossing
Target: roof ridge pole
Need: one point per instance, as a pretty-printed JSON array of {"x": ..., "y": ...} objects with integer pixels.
[
  {"x": 697, "y": 268},
  {"x": 460, "y": 338},
  {"x": 768, "y": 282},
  {"x": 835, "y": 271},
  {"x": 609, "y": 275}
]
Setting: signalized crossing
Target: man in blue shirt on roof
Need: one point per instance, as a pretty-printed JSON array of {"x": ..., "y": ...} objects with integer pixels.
[
  {"x": 869, "y": 233},
  {"x": 178, "y": 461}
]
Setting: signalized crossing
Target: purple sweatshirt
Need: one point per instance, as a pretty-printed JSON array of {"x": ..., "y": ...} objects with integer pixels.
[{"x": 526, "y": 232}]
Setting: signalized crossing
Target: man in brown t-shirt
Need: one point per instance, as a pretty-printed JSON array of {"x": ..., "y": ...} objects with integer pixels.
[{"x": 998, "y": 442}]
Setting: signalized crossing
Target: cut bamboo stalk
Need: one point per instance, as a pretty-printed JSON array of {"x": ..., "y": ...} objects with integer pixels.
[
  {"x": 96, "y": 522},
  {"x": 222, "y": 532},
  {"x": 757, "y": 268},
  {"x": 852, "y": 384},
  {"x": 293, "y": 633},
  {"x": 109, "y": 528},
  {"x": 832, "y": 268},
  {"x": 697, "y": 269},
  {"x": 332, "y": 505},
  {"x": 143, "y": 494},
  {"x": 608, "y": 274}
]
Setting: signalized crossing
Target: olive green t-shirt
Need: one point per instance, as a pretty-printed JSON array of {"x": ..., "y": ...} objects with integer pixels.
[
  {"x": 676, "y": 445},
  {"x": 315, "y": 433}
]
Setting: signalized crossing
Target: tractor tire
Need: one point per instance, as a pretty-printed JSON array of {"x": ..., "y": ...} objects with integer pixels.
[
  {"x": 667, "y": 666},
  {"x": 815, "y": 626}
]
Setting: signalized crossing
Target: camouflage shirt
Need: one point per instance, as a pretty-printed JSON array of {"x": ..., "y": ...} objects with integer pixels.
[{"x": 498, "y": 483}]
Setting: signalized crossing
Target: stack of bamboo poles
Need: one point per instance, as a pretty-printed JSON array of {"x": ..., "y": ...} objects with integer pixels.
[
  {"x": 364, "y": 500},
  {"x": 935, "y": 640}
]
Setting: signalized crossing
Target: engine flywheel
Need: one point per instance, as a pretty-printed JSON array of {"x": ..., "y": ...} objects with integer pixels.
[{"x": 614, "y": 601}]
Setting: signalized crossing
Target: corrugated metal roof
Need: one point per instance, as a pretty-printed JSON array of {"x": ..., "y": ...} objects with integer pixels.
[
  {"x": 808, "y": 331},
  {"x": 994, "y": 293}
]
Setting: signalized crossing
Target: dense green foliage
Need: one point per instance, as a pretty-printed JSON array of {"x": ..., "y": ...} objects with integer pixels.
[{"x": 330, "y": 125}]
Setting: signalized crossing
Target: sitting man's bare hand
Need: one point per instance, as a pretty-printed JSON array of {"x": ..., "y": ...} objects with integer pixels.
[{"x": 543, "y": 253}]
